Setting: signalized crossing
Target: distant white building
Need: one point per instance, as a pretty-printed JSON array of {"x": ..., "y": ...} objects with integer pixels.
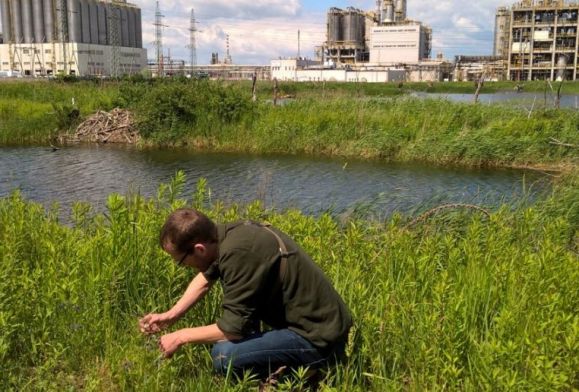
[
  {"x": 72, "y": 37},
  {"x": 287, "y": 69},
  {"x": 298, "y": 70},
  {"x": 302, "y": 70},
  {"x": 399, "y": 43},
  {"x": 70, "y": 58}
]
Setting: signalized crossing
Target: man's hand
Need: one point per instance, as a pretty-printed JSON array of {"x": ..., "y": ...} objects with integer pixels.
[
  {"x": 155, "y": 322},
  {"x": 169, "y": 343}
]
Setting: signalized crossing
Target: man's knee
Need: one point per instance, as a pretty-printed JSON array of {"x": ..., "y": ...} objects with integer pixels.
[{"x": 222, "y": 356}]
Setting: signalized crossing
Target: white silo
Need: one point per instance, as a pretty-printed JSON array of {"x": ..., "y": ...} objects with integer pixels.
[
  {"x": 6, "y": 28},
  {"x": 74, "y": 21},
  {"x": 48, "y": 21},
  {"x": 131, "y": 23},
  {"x": 27, "y": 24},
  {"x": 124, "y": 27},
  {"x": 85, "y": 21},
  {"x": 94, "y": 22},
  {"x": 16, "y": 21},
  {"x": 102, "y": 22},
  {"x": 138, "y": 29},
  {"x": 38, "y": 20}
]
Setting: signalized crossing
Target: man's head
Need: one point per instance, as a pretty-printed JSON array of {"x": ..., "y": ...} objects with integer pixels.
[{"x": 190, "y": 237}]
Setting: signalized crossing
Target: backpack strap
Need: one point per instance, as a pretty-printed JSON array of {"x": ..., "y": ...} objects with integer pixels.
[{"x": 283, "y": 252}]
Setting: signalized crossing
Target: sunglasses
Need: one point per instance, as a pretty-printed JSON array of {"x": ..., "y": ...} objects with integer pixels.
[{"x": 183, "y": 258}]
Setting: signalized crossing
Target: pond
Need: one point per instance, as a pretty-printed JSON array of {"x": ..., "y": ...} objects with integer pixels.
[{"x": 313, "y": 185}]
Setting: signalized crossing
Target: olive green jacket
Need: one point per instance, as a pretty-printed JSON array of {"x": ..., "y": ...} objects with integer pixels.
[{"x": 300, "y": 297}]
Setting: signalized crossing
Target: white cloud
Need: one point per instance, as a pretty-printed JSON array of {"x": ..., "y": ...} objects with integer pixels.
[
  {"x": 258, "y": 30},
  {"x": 263, "y": 29}
]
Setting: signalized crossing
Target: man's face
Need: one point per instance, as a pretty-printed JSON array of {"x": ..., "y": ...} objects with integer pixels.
[{"x": 200, "y": 257}]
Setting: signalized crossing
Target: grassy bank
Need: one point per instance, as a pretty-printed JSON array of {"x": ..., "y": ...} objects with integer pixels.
[
  {"x": 36, "y": 112},
  {"x": 372, "y": 121},
  {"x": 456, "y": 302},
  {"x": 393, "y": 89}
]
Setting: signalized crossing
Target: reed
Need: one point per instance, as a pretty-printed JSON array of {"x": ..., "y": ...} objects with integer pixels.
[{"x": 458, "y": 302}]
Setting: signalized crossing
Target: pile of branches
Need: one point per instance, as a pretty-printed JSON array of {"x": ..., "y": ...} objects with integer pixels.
[{"x": 116, "y": 126}]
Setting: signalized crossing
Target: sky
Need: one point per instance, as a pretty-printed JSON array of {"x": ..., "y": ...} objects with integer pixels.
[{"x": 261, "y": 30}]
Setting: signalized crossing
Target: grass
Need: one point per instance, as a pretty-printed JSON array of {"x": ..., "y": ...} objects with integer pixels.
[
  {"x": 369, "y": 120},
  {"x": 36, "y": 112},
  {"x": 459, "y": 302}
]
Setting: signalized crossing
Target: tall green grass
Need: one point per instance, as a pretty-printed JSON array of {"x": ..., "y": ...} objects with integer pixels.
[
  {"x": 458, "y": 302},
  {"x": 37, "y": 112},
  {"x": 349, "y": 120}
]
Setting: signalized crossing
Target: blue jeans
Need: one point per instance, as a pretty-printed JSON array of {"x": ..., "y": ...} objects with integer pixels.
[{"x": 264, "y": 353}]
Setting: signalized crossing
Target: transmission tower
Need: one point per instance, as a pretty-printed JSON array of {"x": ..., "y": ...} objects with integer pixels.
[
  {"x": 113, "y": 39},
  {"x": 228, "y": 54},
  {"x": 159, "y": 40},
  {"x": 193, "y": 40}
]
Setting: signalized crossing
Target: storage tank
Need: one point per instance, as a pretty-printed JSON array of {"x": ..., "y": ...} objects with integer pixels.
[
  {"x": 102, "y": 22},
  {"x": 347, "y": 27},
  {"x": 48, "y": 21},
  {"x": 354, "y": 26},
  {"x": 94, "y": 22},
  {"x": 6, "y": 30},
  {"x": 60, "y": 27},
  {"x": 16, "y": 21},
  {"x": 400, "y": 10},
  {"x": 124, "y": 27},
  {"x": 38, "y": 19},
  {"x": 85, "y": 21},
  {"x": 131, "y": 20},
  {"x": 335, "y": 25},
  {"x": 138, "y": 29},
  {"x": 74, "y": 21},
  {"x": 27, "y": 24},
  {"x": 388, "y": 13}
]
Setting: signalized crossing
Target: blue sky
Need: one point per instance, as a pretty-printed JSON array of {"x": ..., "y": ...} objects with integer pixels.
[{"x": 260, "y": 30}]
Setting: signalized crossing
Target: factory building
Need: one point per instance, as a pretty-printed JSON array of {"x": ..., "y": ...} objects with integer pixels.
[
  {"x": 381, "y": 37},
  {"x": 76, "y": 37},
  {"x": 399, "y": 43},
  {"x": 377, "y": 46},
  {"x": 542, "y": 39},
  {"x": 346, "y": 36}
]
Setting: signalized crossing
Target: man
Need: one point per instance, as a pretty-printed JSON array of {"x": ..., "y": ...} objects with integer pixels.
[{"x": 266, "y": 278}]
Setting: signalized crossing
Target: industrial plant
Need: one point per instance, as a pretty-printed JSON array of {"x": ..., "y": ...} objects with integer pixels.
[
  {"x": 539, "y": 39},
  {"x": 71, "y": 37},
  {"x": 383, "y": 36},
  {"x": 375, "y": 46}
]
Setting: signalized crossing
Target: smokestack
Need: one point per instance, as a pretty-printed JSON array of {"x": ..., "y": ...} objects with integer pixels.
[
  {"x": 387, "y": 11},
  {"x": 400, "y": 10}
]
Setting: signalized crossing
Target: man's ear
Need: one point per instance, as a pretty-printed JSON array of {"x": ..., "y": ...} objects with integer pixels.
[{"x": 198, "y": 247}]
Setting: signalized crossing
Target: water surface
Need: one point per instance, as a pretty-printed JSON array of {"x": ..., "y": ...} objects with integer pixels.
[
  {"x": 313, "y": 185},
  {"x": 525, "y": 99}
]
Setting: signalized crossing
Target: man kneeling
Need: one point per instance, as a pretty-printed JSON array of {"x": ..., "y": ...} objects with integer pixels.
[{"x": 266, "y": 278}]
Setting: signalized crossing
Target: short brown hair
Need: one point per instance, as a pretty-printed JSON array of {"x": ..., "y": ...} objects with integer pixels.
[{"x": 187, "y": 226}]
